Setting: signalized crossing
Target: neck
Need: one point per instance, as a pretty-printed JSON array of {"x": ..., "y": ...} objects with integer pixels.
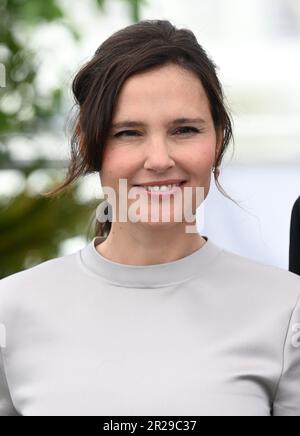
[{"x": 135, "y": 244}]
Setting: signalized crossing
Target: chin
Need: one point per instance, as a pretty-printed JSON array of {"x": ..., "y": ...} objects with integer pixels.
[{"x": 160, "y": 224}]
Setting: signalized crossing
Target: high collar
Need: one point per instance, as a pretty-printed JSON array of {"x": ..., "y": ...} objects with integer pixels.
[{"x": 148, "y": 276}]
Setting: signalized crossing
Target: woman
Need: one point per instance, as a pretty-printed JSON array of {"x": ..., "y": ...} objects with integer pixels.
[{"x": 150, "y": 318}]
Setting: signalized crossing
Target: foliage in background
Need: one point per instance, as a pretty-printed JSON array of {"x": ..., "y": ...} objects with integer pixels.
[{"x": 32, "y": 228}]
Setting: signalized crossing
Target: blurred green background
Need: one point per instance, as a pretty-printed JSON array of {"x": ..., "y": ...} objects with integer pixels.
[{"x": 33, "y": 227}]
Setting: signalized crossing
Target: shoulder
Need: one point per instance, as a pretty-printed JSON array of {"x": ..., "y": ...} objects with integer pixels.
[
  {"x": 44, "y": 276},
  {"x": 43, "y": 270},
  {"x": 298, "y": 201},
  {"x": 296, "y": 207},
  {"x": 259, "y": 278}
]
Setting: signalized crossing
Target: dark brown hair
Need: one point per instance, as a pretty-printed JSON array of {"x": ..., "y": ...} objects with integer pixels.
[{"x": 133, "y": 49}]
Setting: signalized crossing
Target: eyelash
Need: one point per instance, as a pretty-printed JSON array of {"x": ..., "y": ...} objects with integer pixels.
[{"x": 193, "y": 129}]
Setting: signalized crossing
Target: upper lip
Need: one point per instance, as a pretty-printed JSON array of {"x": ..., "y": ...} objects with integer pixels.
[{"x": 162, "y": 182}]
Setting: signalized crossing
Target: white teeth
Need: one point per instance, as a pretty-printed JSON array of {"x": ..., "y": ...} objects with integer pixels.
[{"x": 162, "y": 188}]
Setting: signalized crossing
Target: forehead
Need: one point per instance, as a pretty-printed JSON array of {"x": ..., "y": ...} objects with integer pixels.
[{"x": 165, "y": 87}]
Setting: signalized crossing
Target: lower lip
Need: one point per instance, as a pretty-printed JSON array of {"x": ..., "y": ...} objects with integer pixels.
[{"x": 161, "y": 193}]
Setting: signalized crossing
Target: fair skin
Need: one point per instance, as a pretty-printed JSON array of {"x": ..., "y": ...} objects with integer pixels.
[{"x": 157, "y": 151}]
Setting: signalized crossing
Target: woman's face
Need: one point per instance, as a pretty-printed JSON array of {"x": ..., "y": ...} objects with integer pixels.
[{"x": 159, "y": 149}]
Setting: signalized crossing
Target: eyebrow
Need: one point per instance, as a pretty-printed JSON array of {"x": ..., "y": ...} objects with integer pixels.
[{"x": 131, "y": 123}]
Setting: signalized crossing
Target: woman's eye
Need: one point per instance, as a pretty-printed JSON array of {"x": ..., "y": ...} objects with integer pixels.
[
  {"x": 184, "y": 129},
  {"x": 125, "y": 131},
  {"x": 190, "y": 129}
]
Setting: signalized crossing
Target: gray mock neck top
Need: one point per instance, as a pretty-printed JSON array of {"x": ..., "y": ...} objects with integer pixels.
[
  {"x": 210, "y": 334},
  {"x": 149, "y": 276}
]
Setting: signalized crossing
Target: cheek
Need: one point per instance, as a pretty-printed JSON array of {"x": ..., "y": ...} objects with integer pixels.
[
  {"x": 115, "y": 165},
  {"x": 199, "y": 166},
  {"x": 201, "y": 156}
]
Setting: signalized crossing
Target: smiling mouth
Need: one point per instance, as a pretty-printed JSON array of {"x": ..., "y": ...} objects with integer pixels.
[
  {"x": 144, "y": 186},
  {"x": 166, "y": 191}
]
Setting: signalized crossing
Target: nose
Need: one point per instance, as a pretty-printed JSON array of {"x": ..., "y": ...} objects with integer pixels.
[{"x": 158, "y": 156}]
